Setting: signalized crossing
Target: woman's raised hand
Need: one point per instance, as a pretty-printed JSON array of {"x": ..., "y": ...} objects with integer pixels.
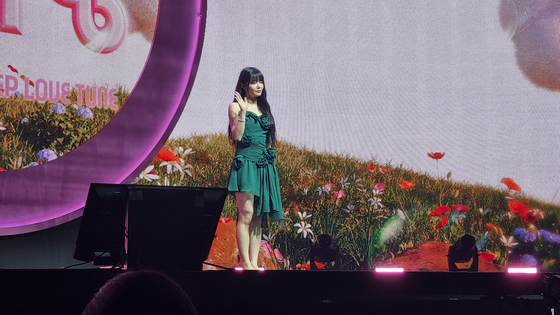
[{"x": 242, "y": 101}]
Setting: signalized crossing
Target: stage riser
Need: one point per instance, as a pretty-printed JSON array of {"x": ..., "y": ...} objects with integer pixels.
[{"x": 291, "y": 292}]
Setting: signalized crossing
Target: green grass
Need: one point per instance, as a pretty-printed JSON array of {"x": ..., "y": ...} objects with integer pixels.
[
  {"x": 370, "y": 233},
  {"x": 32, "y": 126}
]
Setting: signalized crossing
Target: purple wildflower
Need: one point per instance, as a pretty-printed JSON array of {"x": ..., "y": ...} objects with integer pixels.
[
  {"x": 549, "y": 237},
  {"x": 58, "y": 108},
  {"x": 528, "y": 260},
  {"x": 32, "y": 164},
  {"x": 85, "y": 112},
  {"x": 524, "y": 235},
  {"x": 47, "y": 155}
]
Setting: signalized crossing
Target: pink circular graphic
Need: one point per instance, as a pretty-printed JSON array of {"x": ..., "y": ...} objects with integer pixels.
[{"x": 53, "y": 193}]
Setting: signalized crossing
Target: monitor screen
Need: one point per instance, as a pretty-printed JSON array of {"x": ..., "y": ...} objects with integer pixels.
[{"x": 159, "y": 227}]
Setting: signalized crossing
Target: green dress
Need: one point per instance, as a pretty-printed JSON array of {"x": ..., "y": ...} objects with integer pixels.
[{"x": 253, "y": 169}]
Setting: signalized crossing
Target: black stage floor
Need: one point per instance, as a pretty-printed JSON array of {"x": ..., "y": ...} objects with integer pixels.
[{"x": 292, "y": 292}]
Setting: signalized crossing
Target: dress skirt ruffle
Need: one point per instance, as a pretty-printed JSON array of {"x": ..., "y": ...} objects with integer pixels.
[{"x": 259, "y": 178}]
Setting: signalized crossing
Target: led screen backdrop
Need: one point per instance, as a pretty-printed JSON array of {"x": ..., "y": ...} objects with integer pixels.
[
  {"x": 411, "y": 125},
  {"x": 401, "y": 127}
]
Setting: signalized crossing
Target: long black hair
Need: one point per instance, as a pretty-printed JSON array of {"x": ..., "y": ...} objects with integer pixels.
[{"x": 246, "y": 76}]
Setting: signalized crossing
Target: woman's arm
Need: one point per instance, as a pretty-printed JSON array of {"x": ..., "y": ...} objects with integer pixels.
[
  {"x": 237, "y": 111},
  {"x": 237, "y": 121}
]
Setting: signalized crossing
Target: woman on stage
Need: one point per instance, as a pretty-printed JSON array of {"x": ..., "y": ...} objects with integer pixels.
[{"x": 253, "y": 175}]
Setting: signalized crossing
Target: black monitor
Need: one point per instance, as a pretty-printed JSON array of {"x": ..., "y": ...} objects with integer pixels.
[{"x": 141, "y": 226}]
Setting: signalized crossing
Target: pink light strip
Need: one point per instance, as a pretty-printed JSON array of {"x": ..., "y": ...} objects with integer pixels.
[
  {"x": 389, "y": 270},
  {"x": 522, "y": 270}
]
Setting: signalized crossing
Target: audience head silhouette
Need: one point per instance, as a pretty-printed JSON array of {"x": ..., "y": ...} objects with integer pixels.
[{"x": 140, "y": 292}]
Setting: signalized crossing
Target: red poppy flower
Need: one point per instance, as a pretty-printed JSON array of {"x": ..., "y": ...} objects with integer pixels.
[
  {"x": 278, "y": 254},
  {"x": 267, "y": 249},
  {"x": 493, "y": 227},
  {"x": 486, "y": 256},
  {"x": 461, "y": 208},
  {"x": 436, "y": 155},
  {"x": 374, "y": 168},
  {"x": 517, "y": 206},
  {"x": 407, "y": 185},
  {"x": 442, "y": 223},
  {"x": 339, "y": 194},
  {"x": 1, "y": 169},
  {"x": 510, "y": 184},
  {"x": 319, "y": 265},
  {"x": 167, "y": 155},
  {"x": 439, "y": 211},
  {"x": 31, "y": 83},
  {"x": 529, "y": 216},
  {"x": 226, "y": 220},
  {"x": 305, "y": 267},
  {"x": 13, "y": 69}
]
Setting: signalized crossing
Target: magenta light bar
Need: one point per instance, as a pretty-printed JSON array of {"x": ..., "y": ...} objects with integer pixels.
[
  {"x": 389, "y": 269},
  {"x": 522, "y": 270}
]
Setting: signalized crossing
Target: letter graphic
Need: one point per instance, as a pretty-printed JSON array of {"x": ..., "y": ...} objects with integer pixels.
[
  {"x": 91, "y": 97},
  {"x": 104, "y": 38},
  {"x": 41, "y": 92},
  {"x": 10, "y": 87},
  {"x": 66, "y": 91},
  {"x": 10, "y": 16}
]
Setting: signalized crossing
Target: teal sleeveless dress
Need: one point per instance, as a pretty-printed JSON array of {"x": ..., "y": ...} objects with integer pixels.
[{"x": 253, "y": 169}]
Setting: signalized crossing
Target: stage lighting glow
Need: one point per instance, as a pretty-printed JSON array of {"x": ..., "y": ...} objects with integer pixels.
[
  {"x": 238, "y": 268},
  {"x": 522, "y": 270},
  {"x": 261, "y": 269},
  {"x": 389, "y": 269}
]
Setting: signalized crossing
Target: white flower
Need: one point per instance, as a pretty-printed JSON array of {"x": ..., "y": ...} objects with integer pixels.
[
  {"x": 166, "y": 182},
  {"x": 312, "y": 172},
  {"x": 344, "y": 182},
  {"x": 349, "y": 208},
  {"x": 324, "y": 189},
  {"x": 375, "y": 202},
  {"x": 303, "y": 215},
  {"x": 182, "y": 153},
  {"x": 509, "y": 242},
  {"x": 304, "y": 228},
  {"x": 401, "y": 214},
  {"x": 171, "y": 166},
  {"x": 185, "y": 169},
  {"x": 268, "y": 237},
  {"x": 482, "y": 211},
  {"x": 146, "y": 174}
]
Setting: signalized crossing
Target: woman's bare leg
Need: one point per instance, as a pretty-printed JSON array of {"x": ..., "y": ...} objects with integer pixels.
[
  {"x": 245, "y": 229},
  {"x": 255, "y": 240}
]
